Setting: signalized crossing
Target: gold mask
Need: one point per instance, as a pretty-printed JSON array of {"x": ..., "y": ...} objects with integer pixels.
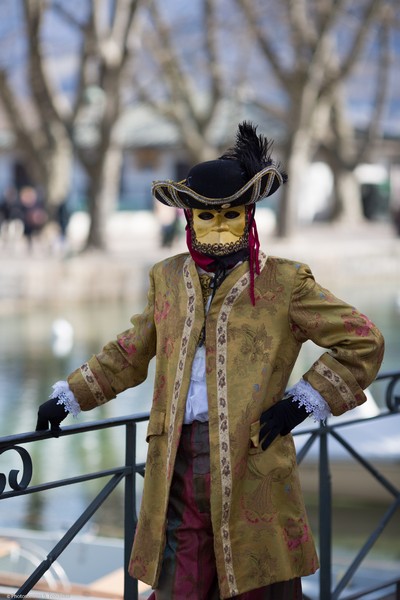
[{"x": 219, "y": 232}]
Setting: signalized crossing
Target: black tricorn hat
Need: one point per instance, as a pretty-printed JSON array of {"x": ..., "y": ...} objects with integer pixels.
[{"x": 243, "y": 175}]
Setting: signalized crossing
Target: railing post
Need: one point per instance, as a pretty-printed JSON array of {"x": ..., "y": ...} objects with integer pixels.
[
  {"x": 130, "y": 517},
  {"x": 325, "y": 517}
]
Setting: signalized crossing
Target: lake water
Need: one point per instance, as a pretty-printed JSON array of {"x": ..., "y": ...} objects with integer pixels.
[{"x": 32, "y": 357}]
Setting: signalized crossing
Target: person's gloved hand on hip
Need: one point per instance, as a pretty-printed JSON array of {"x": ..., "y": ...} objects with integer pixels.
[{"x": 280, "y": 419}]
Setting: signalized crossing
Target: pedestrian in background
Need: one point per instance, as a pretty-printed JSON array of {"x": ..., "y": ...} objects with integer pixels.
[{"x": 33, "y": 213}]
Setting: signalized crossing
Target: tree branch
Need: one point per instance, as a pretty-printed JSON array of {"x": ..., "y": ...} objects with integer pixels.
[
  {"x": 26, "y": 142},
  {"x": 353, "y": 54},
  {"x": 173, "y": 74},
  {"x": 125, "y": 12},
  {"x": 43, "y": 98},
  {"x": 210, "y": 22},
  {"x": 381, "y": 92},
  {"x": 304, "y": 34},
  {"x": 260, "y": 34}
]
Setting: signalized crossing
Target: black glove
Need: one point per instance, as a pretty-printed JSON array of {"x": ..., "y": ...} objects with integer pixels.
[
  {"x": 280, "y": 419},
  {"x": 53, "y": 412}
]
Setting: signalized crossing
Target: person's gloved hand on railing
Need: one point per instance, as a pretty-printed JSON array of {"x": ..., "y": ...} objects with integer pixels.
[
  {"x": 50, "y": 415},
  {"x": 62, "y": 403},
  {"x": 280, "y": 419}
]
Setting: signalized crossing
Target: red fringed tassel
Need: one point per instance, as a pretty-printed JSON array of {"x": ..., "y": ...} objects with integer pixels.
[{"x": 254, "y": 264}]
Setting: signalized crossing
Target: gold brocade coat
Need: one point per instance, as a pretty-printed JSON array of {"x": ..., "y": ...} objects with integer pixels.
[{"x": 261, "y": 531}]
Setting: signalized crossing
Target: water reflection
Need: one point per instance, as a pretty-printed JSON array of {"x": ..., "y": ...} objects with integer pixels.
[
  {"x": 29, "y": 364},
  {"x": 32, "y": 358},
  {"x": 40, "y": 347}
]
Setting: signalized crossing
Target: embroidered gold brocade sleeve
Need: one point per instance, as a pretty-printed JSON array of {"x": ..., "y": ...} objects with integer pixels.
[
  {"x": 355, "y": 345},
  {"x": 122, "y": 363}
]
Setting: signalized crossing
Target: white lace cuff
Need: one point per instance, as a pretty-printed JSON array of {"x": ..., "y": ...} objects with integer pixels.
[
  {"x": 66, "y": 397},
  {"x": 304, "y": 393}
]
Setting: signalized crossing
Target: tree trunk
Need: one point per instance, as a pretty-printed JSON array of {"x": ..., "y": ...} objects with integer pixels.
[
  {"x": 103, "y": 196},
  {"x": 348, "y": 205},
  {"x": 59, "y": 171},
  {"x": 297, "y": 165}
]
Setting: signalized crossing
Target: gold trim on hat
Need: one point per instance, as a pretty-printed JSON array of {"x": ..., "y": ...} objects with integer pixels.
[{"x": 170, "y": 191}]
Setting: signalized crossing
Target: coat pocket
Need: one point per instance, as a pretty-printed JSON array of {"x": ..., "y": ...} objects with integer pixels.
[
  {"x": 156, "y": 424},
  {"x": 278, "y": 461}
]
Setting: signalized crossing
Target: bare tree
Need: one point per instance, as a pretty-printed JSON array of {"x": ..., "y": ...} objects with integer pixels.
[
  {"x": 189, "y": 67},
  {"x": 307, "y": 50},
  {"x": 38, "y": 125},
  {"x": 308, "y": 72},
  {"x": 186, "y": 82},
  {"x": 105, "y": 51},
  {"x": 48, "y": 143},
  {"x": 342, "y": 150}
]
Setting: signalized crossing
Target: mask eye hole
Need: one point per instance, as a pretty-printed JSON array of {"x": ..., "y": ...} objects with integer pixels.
[
  {"x": 206, "y": 216},
  {"x": 232, "y": 214}
]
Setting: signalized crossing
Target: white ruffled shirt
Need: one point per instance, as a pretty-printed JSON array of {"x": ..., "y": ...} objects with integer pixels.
[{"x": 197, "y": 400}]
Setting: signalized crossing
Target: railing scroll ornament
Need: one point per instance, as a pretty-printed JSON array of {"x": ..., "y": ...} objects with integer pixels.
[
  {"x": 27, "y": 471},
  {"x": 393, "y": 400}
]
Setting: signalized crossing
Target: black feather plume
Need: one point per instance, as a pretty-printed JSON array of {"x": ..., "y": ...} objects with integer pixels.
[{"x": 252, "y": 151}]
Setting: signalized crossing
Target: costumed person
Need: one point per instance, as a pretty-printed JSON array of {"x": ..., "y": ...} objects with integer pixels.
[{"x": 222, "y": 514}]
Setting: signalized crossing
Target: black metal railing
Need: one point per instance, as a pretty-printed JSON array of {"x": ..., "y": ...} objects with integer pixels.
[
  {"x": 19, "y": 485},
  {"x": 127, "y": 472},
  {"x": 322, "y": 433}
]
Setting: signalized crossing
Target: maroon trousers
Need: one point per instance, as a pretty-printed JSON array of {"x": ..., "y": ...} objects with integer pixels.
[{"x": 188, "y": 570}]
